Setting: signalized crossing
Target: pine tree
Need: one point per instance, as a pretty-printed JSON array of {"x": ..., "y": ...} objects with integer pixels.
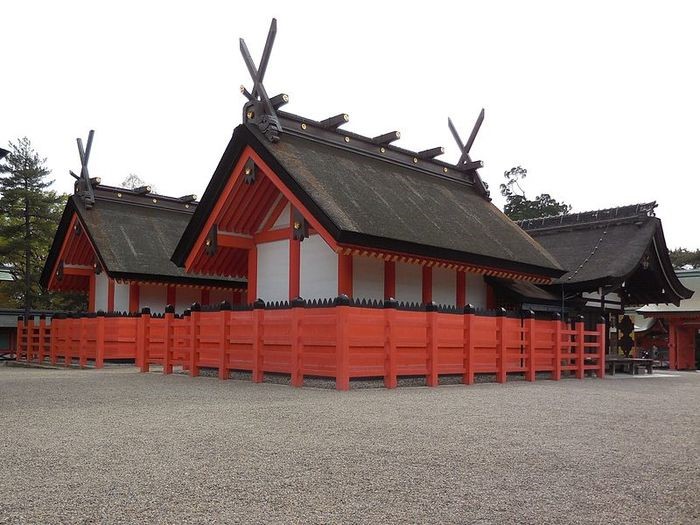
[{"x": 29, "y": 215}]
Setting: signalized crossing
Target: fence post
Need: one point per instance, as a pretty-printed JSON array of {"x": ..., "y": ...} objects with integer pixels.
[
  {"x": 100, "y": 340},
  {"x": 55, "y": 334},
  {"x": 342, "y": 368},
  {"x": 297, "y": 365},
  {"x": 42, "y": 338},
  {"x": 29, "y": 348},
  {"x": 579, "y": 348},
  {"x": 468, "y": 357},
  {"x": 70, "y": 336},
  {"x": 556, "y": 373},
  {"x": 601, "y": 347},
  {"x": 195, "y": 318},
  {"x": 225, "y": 308},
  {"x": 390, "y": 379},
  {"x": 502, "y": 373},
  {"x": 431, "y": 379},
  {"x": 143, "y": 339},
  {"x": 530, "y": 345},
  {"x": 167, "y": 350},
  {"x": 21, "y": 331},
  {"x": 258, "y": 319}
]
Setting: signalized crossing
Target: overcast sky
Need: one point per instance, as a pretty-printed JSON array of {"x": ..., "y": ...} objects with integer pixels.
[{"x": 600, "y": 101}]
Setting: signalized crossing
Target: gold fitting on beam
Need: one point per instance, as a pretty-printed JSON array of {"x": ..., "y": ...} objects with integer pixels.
[
  {"x": 382, "y": 150},
  {"x": 347, "y": 139},
  {"x": 415, "y": 160},
  {"x": 250, "y": 115},
  {"x": 303, "y": 126}
]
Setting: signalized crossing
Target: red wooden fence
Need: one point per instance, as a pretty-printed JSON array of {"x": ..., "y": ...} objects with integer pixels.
[{"x": 343, "y": 341}]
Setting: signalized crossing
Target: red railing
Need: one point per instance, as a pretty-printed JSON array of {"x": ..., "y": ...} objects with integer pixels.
[{"x": 343, "y": 341}]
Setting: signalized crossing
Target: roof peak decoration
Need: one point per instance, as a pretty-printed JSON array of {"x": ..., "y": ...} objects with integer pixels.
[
  {"x": 261, "y": 112},
  {"x": 83, "y": 184},
  {"x": 259, "y": 109},
  {"x": 587, "y": 218}
]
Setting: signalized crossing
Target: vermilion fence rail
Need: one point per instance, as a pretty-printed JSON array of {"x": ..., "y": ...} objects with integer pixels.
[{"x": 341, "y": 340}]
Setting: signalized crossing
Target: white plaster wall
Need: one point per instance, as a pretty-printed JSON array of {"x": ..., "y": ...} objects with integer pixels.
[
  {"x": 121, "y": 297},
  {"x": 153, "y": 297},
  {"x": 101, "y": 286},
  {"x": 476, "y": 290},
  {"x": 185, "y": 296},
  {"x": 318, "y": 275},
  {"x": 273, "y": 270},
  {"x": 367, "y": 278},
  {"x": 409, "y": 282},
  {"x": 444, "y": 286}
]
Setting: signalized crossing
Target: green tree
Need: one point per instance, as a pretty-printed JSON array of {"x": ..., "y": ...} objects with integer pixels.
[
  {"x": 29, "y": 213},
  {"x": 682, "y": 257},
  {"x": 519, "y": 207}
]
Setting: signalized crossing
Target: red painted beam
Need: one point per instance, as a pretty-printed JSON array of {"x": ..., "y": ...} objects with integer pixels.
[
  {"x": 82, "y": 271},
  {"x": 91, "y": 293},
  {"x": 230, "y": 240},
  {"x": 272, "y": 235},
  {"x": 205, "y": 299}
]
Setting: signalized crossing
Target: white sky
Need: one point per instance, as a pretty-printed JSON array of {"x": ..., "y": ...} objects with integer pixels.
[{"x": 600, "y": 101}]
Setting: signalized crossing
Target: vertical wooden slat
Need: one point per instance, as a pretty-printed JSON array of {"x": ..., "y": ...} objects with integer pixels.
[
  {"x": 501, "y": 375},
  {"x": 601, "y": 347},
  {"x": 530, "y": 346},
  {"x": 469, "y": 339},
  {"x": 390, "y": 379},
  {"x": 432, "y": 341},
  {"x": 342, "y": 371},
  {"x": 579, "y": 348}
]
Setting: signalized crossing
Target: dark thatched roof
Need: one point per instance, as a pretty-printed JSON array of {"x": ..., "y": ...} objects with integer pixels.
[
  {"x": 365, "y": 200},
  {"x": 134, "y": 236},
  {"x": 606, "y": 248}
]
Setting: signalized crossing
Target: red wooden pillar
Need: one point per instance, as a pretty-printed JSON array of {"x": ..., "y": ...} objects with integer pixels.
[
  {"x": 342, "y": 347},
  {"x": 167, "y": 337},
  {"x": 345, "y": 275},
  {"x": 171, "y": 295},
  {"x": 236, "y": 298},
  {"x": 390, "y": 379},
  {"x": 100, "y": 341},
  {"x": 294, "y": 268},
  {"x": 223, "y": 343},
  {"x": 579, "y": 348},
  {"x": 91, "y": 293},
  {"x": 556, "y": 373},
  {"x": 110, "y": 295},
  {"x": 501, "y": 374},
  {"x": 432, "y": 346},
  {"x": 530, "y": 349},
  {"x": 143, "y": 339},
  {"x": 297, "y": 316},
  {"x": 134, "y": 297},
  {"x": 195, "y": 319},
  {"x": 427, "y": 296},
  {"x": 672, "y": 345},
  {"x": 252, "y": 274},
  {"x": 21, "y": 331},
  {"x": 389, "y": 279},
  {"x": 82, "y": 342},
  {"x": 205, "y": 296},
  {"x": 468, "y": 378},
  {"x": 490, "y": 297},
  {"x": 257, "y": 339},
  {"x": 601, "y": 347},
  {"x": 461, "y": 291},
  {"x": 42, "y": 339}
]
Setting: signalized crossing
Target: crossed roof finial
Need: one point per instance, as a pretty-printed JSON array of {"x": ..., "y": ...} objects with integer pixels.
[
  {"x": 260, "y": 109},
  {"x": 465, "y": 161},
  {"x": 84, "y": 184}
]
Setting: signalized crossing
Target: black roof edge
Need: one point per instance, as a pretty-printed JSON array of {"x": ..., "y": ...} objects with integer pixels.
[
  {"x": 57, "y": 242},
  {"x": 661, "y": 249},
  {"x": 588, "y": 218},
  {"x": 432, "y": 252},
  {"x": 220, "y": 178},
  {"x": 174, "y": 279}
]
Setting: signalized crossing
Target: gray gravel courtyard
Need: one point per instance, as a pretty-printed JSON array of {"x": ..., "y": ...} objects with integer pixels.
[{"x": 116, "y": 446}]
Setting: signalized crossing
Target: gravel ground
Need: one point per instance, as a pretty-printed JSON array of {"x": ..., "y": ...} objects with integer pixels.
[{"x": 116, "y": 446}]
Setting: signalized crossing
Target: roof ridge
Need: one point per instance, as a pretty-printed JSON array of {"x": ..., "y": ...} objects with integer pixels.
[{"x": 602, "y": 216}]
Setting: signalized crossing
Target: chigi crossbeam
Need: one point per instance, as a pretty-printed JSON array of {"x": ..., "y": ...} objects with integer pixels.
[{"x": 263, "y": 112}]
